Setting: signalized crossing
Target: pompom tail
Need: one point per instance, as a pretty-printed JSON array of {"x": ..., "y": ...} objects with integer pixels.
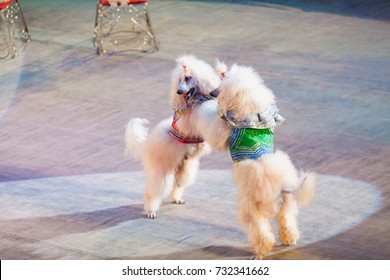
[{"x": 136, "y": 132}]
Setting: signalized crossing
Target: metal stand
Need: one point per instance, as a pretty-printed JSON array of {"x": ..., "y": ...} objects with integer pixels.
[{"x": 122, "y": 26}]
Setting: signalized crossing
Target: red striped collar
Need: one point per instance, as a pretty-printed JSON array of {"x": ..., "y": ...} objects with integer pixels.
[{"x": 181, "y": 137}]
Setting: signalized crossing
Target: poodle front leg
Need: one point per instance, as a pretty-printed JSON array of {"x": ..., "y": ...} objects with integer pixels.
[
  {"x": 287, "y": 219},
  {"x": 185, "y": 176}
]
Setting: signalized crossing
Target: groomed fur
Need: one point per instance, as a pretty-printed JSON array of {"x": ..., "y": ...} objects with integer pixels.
[
  {"x": 171, "y": 166},
  {"x": 136, "y": 132},
  {"x": 211, "y": 127},
  {"x": 305, "y": 194},
  {"x": 269, "y": 185}
]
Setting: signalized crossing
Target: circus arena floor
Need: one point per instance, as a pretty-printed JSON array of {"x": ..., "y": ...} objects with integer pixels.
[{"x": 68, "y": 192}]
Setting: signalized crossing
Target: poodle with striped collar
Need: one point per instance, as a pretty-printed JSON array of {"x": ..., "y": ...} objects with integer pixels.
[
  {"x": 268, "y": 183},
  {"x": 170, "y": 153}
]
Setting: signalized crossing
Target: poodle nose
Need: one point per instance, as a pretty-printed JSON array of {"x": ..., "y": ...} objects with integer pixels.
[
  {"x": 179, "y": 91},
  {"x": 214, "y": 93}
]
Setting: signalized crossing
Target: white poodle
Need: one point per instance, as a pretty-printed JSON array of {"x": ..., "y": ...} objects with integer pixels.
[
  {"x": 171, "y": 152},
  {"x": 267, "y": 181}
]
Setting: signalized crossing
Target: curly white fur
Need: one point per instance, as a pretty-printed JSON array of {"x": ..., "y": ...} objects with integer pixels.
[
  {"x": 269, "y": 185},
  {"x": 137, "y": 131},
  {"x": 171, "y": 166}
]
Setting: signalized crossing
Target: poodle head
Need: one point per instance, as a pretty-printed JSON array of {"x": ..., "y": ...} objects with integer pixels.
[
  {"x": 241, "y": 91},
  {"x": 189, "y": 76}
]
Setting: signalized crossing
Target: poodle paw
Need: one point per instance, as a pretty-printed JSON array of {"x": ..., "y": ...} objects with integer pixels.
[
  {"x": 264, "y": 247},
  {"x": 291, "y": 243},
  {"x": 178, "y": 201},
  {"x": 289, "y": 238},
  {"x": 151, "y": 215},
  {"x": 258, "y": 257}
]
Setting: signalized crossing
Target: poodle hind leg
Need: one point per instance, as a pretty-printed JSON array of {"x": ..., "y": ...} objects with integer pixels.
[
  {"x": 266, "y": 240},
  {"x": 257, "y": 225},
  {"x": 287, "y": 219},
  {"x": 185, "y": 176},
  {"x": 257, "y": 204},
  {"x": 155, "y": 191}
]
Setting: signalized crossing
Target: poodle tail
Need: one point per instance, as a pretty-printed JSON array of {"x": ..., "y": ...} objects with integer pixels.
[
  {"x": 305, "y": 193},
  {"x": 136, "y": 132}
]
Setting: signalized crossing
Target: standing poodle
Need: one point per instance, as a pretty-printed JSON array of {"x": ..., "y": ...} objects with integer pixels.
[
  {"x": 267, "y": 181},
  {"x": 170, "y": 153}
]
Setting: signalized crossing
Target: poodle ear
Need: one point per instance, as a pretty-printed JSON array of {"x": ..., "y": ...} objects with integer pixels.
[
  {"x": 177, "y": 103},
  {"x": 220, "y": 67}
]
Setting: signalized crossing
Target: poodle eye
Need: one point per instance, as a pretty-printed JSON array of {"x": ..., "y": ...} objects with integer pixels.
[{"x": 187, "y": 78}]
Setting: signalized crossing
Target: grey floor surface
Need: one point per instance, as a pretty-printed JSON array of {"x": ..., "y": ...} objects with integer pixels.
[{"x": 67, "y": 192}]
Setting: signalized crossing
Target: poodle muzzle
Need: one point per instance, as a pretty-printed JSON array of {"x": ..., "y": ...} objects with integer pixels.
[
  {"x": 186, "y": 86},
  {"x": 214, "y": 93}
]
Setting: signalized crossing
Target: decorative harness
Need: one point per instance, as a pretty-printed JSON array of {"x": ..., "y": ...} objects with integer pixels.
[
  {"x": 252, "y": 137},
  {"x": 192, "y": 100},
  {"x": 181, "y": 137}
]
